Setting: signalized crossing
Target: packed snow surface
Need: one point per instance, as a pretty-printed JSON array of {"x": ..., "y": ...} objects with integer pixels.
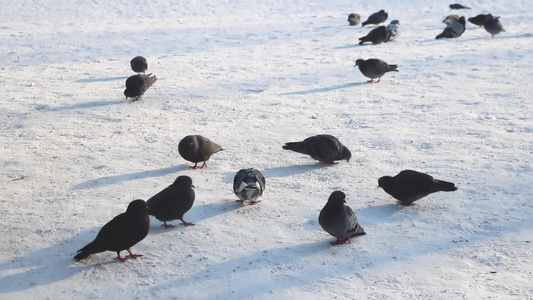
[{"x": 252, "y": 75}]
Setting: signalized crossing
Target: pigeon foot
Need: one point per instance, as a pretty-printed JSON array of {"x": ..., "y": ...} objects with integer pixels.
[{"x": 341, "y": 242}]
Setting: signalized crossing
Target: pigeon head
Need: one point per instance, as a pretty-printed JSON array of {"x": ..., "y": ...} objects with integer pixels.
[
  {"x": 137, "y": 207},
  {"x": 359, "y": 62},
  {"x": 384, "y": 182},
  {"x": 346, "y": 154},
  {"x": 462, "y": 20},
  {"x": 382, "y": 11},
  {"x": 337, "y": 197},
  {"x": 183, "y": 181},
  {"x": 128, "y": 93},
  {"x": 395, "y": 22}
]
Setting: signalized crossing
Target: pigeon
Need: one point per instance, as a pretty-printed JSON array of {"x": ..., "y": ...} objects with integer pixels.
[
  {"x": 376, "y": 18},
  {"x": 377, "y": 35},
  {"x": 453, "y": 30},
  {"x": 458, "y": 6},
  {"x": 196, "y": 148},
  {"x": 136, "y": 85},
  {"x": 478, "y": 20},
  {"x": 374, "y": 68},
  {"x": 121, "y": 233},
  {"x": 323, "y": 147},
  {"x": 493, "y": 25},
  {"x": 394, "y": 29},
  {"x": 354, "y": 19},
  {"x": 409, "y": 186},
  {"x": 339, "y": 220},
  {"x": 139, "y": 64},
  {"x": 450, "y": 19},
  {"x": 249, "y": 185},
  {"x": 173, "y": 202}
]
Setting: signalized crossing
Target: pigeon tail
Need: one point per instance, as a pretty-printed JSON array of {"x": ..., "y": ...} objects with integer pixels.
[
  {"x": 393, "y": 68},
  {"x": 364, "y": 23},
  {"x": 151, "y": 80},
  {"x": 86, "y": 251},
  {"x": 359, "y": 231},
  {"x": 299, "y": 147},
  {"x": 444, "y": 186}
]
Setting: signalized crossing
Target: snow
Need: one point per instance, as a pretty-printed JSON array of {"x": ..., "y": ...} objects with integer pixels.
[{"x": 252, "y": 75}]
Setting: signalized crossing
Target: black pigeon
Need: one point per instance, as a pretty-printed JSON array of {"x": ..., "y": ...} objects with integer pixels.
[
  {"x": 374, "y": 68},
  {"x": 136, "y": 85},
  {"x": 354, "y": 19},
  {"x": 323, "y": 147},
  {"x": 139, "y": 64},
  {"x": 173, "y": 202},
  {"x": 376, "y": 18},
  {"x": 458, "y": 6},
  {"x": 478, "y": 20},
  {"x": 377, "y": 35},
  {"x": 409, "y": 186},
  {"x": 339, "y": 220},
  {"x": 121, "y": 233},
  {"x": 453, "y": 30},
  {"x": 249, "y": 185},
  {"x": 196, "y": 148},
  {"x": 493, "y": 25}
]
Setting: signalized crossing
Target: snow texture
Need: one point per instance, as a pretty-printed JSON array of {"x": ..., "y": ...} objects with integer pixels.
[{"x": 252, "y": 75}]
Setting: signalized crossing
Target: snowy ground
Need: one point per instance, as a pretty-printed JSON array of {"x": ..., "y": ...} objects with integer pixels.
[{"x": 252, "y": 76}]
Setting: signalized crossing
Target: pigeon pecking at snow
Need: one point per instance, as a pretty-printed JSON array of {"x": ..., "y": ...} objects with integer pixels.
[
  {"x": 196, "y": 148},
  {"x": 139, "y": 64},
  {"x": 136, "y": 85},
  {"x": 173, "y": 202},
  {"x": 453, "y": 30},
  {"x": 493, "y": 25},
  {"x": 323, "y": 147},
  {"x": 478, "y": 20},
  {"x": 409, "y": 186},
  {"x": 374, "y": 68},
  {"x": 376, "y": 18},
  {"x": 339, "y": 220},
  {"x": 377, "y": 35},
  {"x": 248, "y": 185},
  {"x": 121, "y": 233},
  {"x": 354, "y": 19},
  {"x": 394, "y": 29}
]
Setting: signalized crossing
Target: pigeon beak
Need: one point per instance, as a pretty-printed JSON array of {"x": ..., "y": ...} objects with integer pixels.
[{"x": 192, "y": 185}]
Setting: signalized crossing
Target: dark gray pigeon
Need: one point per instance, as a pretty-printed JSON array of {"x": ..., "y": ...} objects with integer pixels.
[
  {"x": 323, "y": 147},
  {"x": 249, "y": 185},
  {"x": 354, "y": 19},
  {"x": 453, "y": 30},
  {"x": 339, "y": 220},
  {"x": 458, "y": 6},
  {"x": 136, "y": 85},
  {"x": 409, "y": 186},
  {"x": 121, "y": 233},
  {"x": 196, "y": 148},
  {"x": 493, "y": 25},
  {"x": 376, "y": 18},
  {"x": 394, "y": 29},
  {"x": 139, "y": 64},
  {"x": 173, "y": 202},
  {"x": 377, "y": 35},
  {"x": 478, "y": 20},
  {"x": 374, "y": 68}
]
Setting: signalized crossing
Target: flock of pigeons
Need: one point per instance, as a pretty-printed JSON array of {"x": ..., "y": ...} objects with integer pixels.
[
  {"x": 336, "y": 217},
  {"x": 455, "y": 27}
]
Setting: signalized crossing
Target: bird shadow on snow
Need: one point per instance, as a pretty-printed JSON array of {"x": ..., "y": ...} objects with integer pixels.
[
  {"x": 279, "y": 256},
  {"x": 324, "y": 89},
  {"x": 293, "y": 170},
  {"x": 85, "y": 105},
  {"x": 198, "y": 213},
  {"x": 48, "y": 265},
  {"x": 100, "y": 79},
  {"x": 103, "y": 181},
  {"x": 377, "y": 214}
]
